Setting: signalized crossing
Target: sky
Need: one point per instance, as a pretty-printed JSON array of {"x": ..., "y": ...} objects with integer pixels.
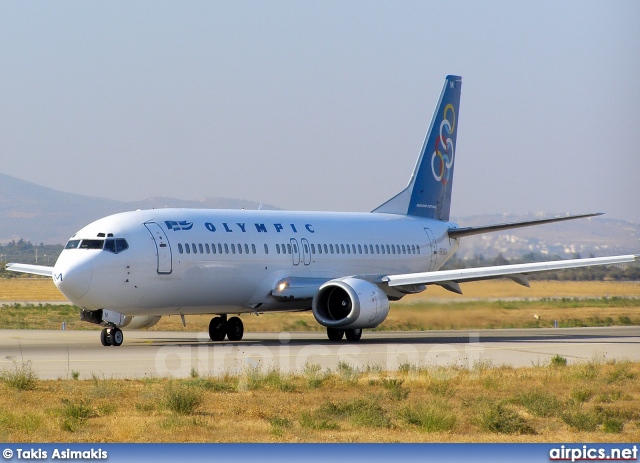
[{"x": 324, "y": 105}]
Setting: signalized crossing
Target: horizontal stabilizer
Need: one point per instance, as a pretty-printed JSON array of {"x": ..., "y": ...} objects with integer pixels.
[
  {"x": 32, "y": 269},
  {"x": 467, "y": 231}
]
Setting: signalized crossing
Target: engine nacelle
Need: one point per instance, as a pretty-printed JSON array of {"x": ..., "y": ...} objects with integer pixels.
[
  {"x": 138, "y": 322},
  {"x": 109, "y": 317},
  {"x": 349, "y": 303}
]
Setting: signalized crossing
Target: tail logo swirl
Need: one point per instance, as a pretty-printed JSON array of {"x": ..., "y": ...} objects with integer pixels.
[{"x": 442, "y": 157}]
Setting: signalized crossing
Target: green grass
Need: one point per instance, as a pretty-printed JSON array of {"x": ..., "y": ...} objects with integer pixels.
[
  {"x": 21, "y": 377},
  {"x": 539, "y": 403},
  {"x": 429, "y": 417},
  {"x": 499, "y": 418},
  {"x": 182, "y": 399}
]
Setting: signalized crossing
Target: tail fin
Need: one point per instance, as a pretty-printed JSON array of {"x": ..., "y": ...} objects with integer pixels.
[{"x": 429, "y": 191}]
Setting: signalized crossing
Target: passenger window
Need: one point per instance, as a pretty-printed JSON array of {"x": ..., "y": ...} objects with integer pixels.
[
  {"x": 266, "y": 248},
  {"x": 253, "y": 248},
  {"x": 194, "y": 249},
  {"x": 206, "y": 246},
  {"x": 366, "y": 249},
  {"x": 326, "y": 250},
  {"x": 342, "y": 248},
  {"x": 418, "y": 248},
  {"x": 72, "y": 244},
  {"x": 239, "y": 248},
  {"x": 219, "y": 248},
  {"x": 187, "y": 248},
  {"x": 319, "y": 249},
  {"x": 246, "y": 248},
  {"x": 306, "y": 248},
  {"x": 331, "y": 247},
  {"x": 404, "y": 250},
  {"x": 213, "y": 248},
  {"x": 348, "y": 249},
  {"x": 226, "y": 248},
  {"x": 313, "y": 248},
  {"x": 277, "y": 248},
  {"x": 289, "y": 248},
  {"x": 359, "y": 249},
  {"x": 180, "y": 248},
  {"x": 233, "y": 248},
  {"x": 201, "y": 248}
]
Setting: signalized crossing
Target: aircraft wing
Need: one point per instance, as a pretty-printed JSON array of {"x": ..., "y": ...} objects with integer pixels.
[
  {"x": 33, "y": 269},
  {"x": 449, "y": 279}
]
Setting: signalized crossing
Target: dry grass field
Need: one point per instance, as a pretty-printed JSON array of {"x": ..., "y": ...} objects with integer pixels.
[
  {"x": 43, "y": 289},
  {"x": 489, "y": 304},
  {"x": 582, "y": 403},
  {"x": 29, "y": 289}
]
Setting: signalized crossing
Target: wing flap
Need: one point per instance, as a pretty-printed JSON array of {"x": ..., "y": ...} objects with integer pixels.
[
  {"x": 32, "y": 269},
  {"x": 515, "y": 271}
]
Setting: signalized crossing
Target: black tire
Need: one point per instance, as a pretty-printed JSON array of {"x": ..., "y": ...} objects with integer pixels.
[
  {"x": 217, "y": 329},
  {"x": 235, "y": 329},
  {"x": 116, "y": 337},
  {"x": 105, "y": 339},
  {"x": 335, "y": 334},
  {"x": 354, "y": 334}
]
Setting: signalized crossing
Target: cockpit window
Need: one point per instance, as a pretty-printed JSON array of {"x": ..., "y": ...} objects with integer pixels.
[
  {"x": 72, "y": 244},
  {"x": 116, "y": 245},
  {"x": 92, "y": 244}
]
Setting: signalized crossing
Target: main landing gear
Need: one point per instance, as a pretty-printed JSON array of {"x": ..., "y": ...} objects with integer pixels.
[
  {"x": 220, "y": 327},
  {"x": 334, "y": 334},
  {"x": 111, "y": 336}
]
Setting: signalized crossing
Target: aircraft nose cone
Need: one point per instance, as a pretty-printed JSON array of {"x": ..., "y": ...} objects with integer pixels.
[{"x": 73, "y": 280}]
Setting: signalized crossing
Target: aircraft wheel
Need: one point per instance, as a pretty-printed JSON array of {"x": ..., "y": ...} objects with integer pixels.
[
  {"x": 217, "y": 330},
  {"x": 105, "y": 338},
  {"x": 116, "y": 337},
  {"x": 335, "y": 334},
  {"x": 235, "y": 329},
  {"x": 353, "y": 335}
]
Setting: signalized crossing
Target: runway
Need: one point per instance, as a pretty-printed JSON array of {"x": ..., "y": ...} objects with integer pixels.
[{"x": 58, "y": 354}]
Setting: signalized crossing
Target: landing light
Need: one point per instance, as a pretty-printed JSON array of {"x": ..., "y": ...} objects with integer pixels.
[{"x": 282, "y": 286}]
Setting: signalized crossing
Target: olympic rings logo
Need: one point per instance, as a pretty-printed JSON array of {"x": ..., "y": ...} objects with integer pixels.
[{"x": 442, "y": 157}]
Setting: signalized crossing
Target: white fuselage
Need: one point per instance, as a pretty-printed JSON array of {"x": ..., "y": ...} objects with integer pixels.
[{"x": 192, "y": 261}]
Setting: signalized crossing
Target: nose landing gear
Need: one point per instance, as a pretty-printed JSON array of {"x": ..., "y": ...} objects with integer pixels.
[
  {"x": 111, "y": 336},
  {"x": 220, "y": 327}
]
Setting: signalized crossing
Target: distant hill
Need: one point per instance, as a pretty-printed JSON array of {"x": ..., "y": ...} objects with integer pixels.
[{"x": 43, "y": 215}]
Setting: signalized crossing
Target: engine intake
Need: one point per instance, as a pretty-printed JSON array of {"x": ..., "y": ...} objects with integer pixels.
[{"x": 349, "y": 303}]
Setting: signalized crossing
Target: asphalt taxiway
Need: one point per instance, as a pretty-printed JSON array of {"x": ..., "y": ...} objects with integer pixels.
[{"x": 61, "y": 354}]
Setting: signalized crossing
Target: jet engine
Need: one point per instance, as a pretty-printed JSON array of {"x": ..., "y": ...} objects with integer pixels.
[{"x": 349, "y": 303}]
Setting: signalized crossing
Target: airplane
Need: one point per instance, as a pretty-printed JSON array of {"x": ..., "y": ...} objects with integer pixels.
[{"x": 129, "y": 269}]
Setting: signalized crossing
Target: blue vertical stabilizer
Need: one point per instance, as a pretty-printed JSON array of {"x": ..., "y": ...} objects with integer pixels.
[{"x": 429, "y": 191}]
